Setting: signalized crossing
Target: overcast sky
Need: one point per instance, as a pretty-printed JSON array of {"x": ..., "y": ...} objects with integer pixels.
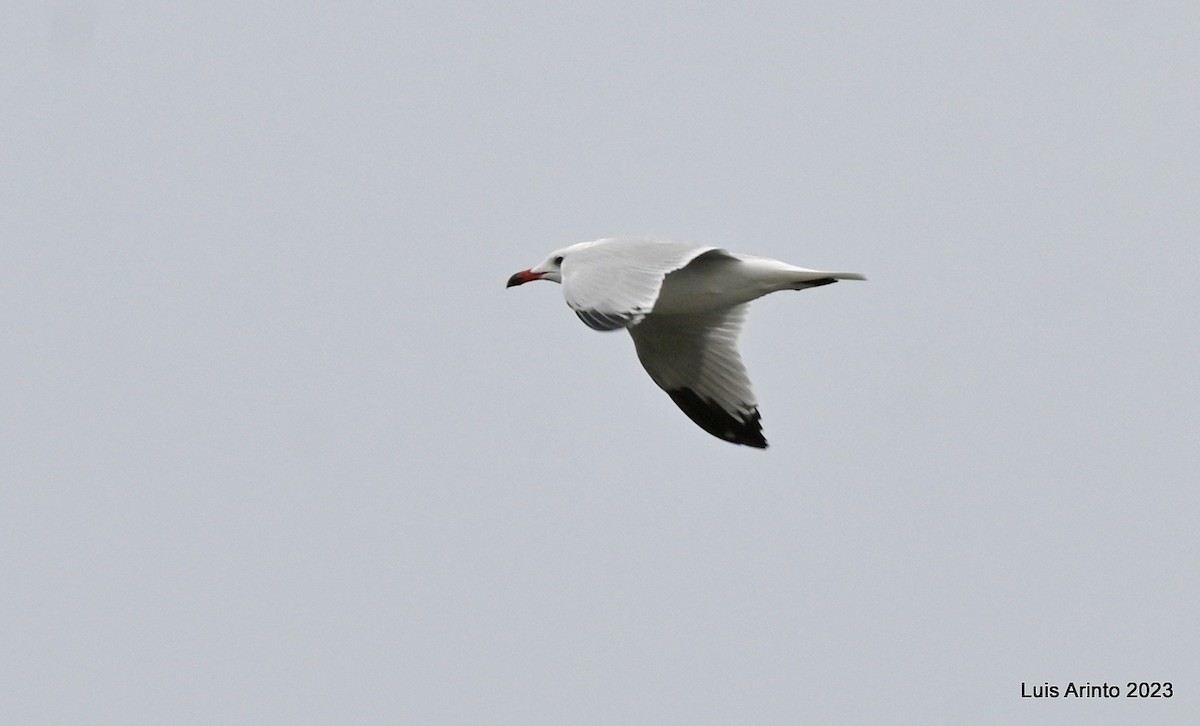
[{"x": 277, "y": 445}]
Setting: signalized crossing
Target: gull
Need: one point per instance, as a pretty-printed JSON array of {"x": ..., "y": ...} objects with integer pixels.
[{"x": 684, "y": 305}]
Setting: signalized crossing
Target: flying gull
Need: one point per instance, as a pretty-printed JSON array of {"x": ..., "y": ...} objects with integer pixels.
[{"x": 683, "y": 304}]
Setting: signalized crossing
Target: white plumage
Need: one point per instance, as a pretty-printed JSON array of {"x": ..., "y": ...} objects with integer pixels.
[{"x": 683, "y": 305}]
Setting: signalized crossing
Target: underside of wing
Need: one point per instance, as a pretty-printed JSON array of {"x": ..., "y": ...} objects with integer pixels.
[
  {"x": 694, "y": 358},
  {"x": 614, "y": 283}
]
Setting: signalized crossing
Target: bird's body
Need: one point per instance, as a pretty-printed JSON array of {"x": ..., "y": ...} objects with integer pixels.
[{"x": 683, "y": 305}]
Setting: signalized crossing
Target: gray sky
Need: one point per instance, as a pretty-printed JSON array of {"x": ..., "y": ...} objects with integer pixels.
[{"x": 277, "y": 446}]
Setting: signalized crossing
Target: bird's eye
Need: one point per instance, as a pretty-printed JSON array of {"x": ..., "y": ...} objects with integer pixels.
[{"x": 558, "y": 260}]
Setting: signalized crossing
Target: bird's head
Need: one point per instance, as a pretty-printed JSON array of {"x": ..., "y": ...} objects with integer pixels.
[{"x": 549, "y": 269}]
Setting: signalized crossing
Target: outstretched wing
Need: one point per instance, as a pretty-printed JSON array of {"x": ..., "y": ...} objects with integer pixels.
[
  {"x": 613, "y": 283},
  {"x": 694, "y": 358}
]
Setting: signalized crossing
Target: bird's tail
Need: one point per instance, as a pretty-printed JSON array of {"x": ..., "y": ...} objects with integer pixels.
[{"x": 815, "y": 278}]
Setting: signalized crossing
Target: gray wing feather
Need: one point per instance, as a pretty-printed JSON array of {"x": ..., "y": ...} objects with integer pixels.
[
  {"x": 614, "y": 283},
  {"x": 694, "y": 358}
]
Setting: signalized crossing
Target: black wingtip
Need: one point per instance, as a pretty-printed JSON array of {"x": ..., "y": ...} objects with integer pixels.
[
  {"x": 817, "y": 283},
  {"x": 744, "y": 429}
]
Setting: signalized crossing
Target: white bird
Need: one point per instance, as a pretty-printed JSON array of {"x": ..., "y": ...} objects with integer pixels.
[{"x": 684, "y": 305}]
